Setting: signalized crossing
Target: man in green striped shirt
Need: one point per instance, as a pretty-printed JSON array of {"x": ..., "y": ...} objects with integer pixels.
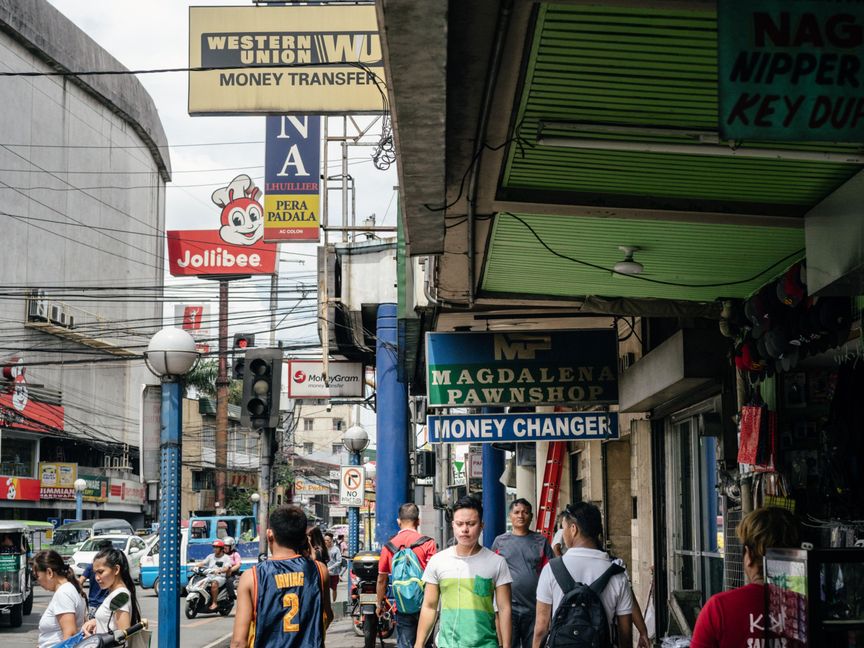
[{"x": 471, "y": 583}]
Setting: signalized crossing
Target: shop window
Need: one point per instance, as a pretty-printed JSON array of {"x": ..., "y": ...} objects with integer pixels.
[
  {"x": 338, "y": 424},
  {"x": 308, "y": 424},
  {"x": 308, "y": 447},
  {"x": 336, "y": 448},
  {"x": 576, "y": 476},
  {"x": 18, "y": 455},
  {"x": 694, "y": 506},
  {"x": 202, "y": 480}
]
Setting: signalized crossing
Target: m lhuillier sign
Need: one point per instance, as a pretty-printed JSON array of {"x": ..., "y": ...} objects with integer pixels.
[
  {"x": 791, "y": 70},
  {"x": 545, "y": 368}
]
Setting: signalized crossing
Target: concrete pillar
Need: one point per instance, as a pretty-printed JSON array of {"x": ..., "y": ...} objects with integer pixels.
[
  {"x": 494, "y": 492},
  {"x": 526, "y": 485},
  {"x": 393, "y": 429}
]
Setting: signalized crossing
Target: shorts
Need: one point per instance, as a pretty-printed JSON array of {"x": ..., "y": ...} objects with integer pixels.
[
  {"x": 334, "y": 581},
  {"x": 216, "y": 578}
]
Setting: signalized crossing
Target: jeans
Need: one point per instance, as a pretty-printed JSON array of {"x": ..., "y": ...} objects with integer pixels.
[
  {"x": 523, "y": 630},
  {"x": 406, "y": 629}
]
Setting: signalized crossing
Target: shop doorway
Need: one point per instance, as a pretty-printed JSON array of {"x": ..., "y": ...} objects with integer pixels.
[{"x": 694, "y": 512}]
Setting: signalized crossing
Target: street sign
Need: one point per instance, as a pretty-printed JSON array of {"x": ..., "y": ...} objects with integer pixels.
[
  {"x": 475, "y": 465},
  {"x": 351, "y": 486},
  {"x": 495, "y": 428}
]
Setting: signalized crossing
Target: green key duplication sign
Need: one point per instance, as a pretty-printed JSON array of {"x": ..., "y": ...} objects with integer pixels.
[{"x": 791, "y": 70}]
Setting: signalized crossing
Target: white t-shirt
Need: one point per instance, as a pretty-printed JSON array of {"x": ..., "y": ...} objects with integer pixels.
[
  {"x": 586, "y": 566},
  {"x": 558, "y": 539},
  {"x": 103, "y": 612},
  {"x": 66, "y": 600}
]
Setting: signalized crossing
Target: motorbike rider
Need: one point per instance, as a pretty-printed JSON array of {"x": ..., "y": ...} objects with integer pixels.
[
  {"x": 217, "y": 565},
  {"x": 234, "y": 568}
]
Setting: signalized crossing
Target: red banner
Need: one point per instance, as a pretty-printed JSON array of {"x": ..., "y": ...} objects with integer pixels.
[
  {"x": 18, "y": 411},
  {"x": 195, "y": 253},
  {"x": 19, "y": 488}
]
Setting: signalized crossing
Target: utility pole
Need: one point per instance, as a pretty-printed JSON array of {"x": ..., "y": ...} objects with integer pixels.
[{"x": 222, "y": 382}]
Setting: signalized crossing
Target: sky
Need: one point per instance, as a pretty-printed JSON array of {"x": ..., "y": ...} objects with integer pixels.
[{"x": 154, "y": 34}]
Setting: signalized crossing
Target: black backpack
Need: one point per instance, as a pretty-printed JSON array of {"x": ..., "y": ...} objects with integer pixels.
[{"x": 580, "y": 620}]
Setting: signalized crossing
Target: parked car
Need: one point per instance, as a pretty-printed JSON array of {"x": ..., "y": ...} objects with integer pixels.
[
  {"x": 133, "y": 546},
  {"x": 68, "y": 538}
]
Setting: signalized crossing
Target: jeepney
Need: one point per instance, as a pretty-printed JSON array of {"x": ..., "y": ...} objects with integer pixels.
[{"x": 18, "y": 542}]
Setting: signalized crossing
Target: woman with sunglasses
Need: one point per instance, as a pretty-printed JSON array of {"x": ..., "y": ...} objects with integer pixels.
[
  {"x": 68, "y": 608},
  {"x": 119, "y": 610}
]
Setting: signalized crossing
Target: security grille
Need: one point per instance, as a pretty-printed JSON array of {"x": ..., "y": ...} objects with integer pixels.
[{"x": 733, "y": 558}]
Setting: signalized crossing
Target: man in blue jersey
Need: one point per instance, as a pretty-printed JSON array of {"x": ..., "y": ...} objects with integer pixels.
[{"x": 283, "y": 602}]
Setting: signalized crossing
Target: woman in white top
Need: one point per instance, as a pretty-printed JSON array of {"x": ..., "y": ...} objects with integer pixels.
[
  {"x": 68, "y": 608},
  {"x": 119, "y": 610}
]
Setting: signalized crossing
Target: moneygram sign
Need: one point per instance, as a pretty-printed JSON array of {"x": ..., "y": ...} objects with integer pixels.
[
  {"x": 543, "y": 368},
  {"x": 289, "y": 59},
  {"x": 306, "y": 379}
]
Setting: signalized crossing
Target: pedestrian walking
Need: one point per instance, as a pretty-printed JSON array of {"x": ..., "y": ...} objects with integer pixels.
[
  {"x": 120, "y": 608},
  {"x": 283, "y": 601},
  {"x": 334, "y": 562},
  {"x": 317, "y": 546},
  {"x": 67, "y": 610},
  {"x": 396, "y": 558},
  {"x": 470, "y": 582},
  {"x": 526, "y": 553},
  {"x": 596, "y": 590},
  {"x": 738, "y": 617}
]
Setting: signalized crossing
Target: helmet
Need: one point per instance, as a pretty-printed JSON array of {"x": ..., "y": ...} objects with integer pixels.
[
  {"x": 229, "y": 541},
  {"x": 218, "y": 543}
]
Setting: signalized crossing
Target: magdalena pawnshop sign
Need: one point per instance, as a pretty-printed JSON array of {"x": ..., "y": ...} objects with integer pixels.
[
  {"x": 546, "y": 368},
  {"x": 310, "y": 59},
  {"x": 791, "y": 70}
]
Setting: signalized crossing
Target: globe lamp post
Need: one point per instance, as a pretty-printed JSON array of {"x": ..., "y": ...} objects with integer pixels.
[
  {"x": 170, "y": 355},
  {"x": 80, "y": 486},
  {"x": 355, "y": 441},
  {"x": 255, "y": 498}
]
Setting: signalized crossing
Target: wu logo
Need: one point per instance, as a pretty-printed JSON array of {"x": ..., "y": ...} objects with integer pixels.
[{"x": 520, "y": 346}]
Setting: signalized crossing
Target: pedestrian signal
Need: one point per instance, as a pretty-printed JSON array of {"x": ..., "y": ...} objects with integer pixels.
[
  {"x": 262, "y": 377},
  {"x": 243, "y": 341}
]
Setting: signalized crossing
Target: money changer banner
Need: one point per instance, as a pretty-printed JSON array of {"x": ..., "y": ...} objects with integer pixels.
[{"x": 544, "y": 368}]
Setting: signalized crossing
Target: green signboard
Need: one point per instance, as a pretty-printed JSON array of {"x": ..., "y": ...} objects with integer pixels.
[
  {"x": 9, "y": 562},
  {"x": 791, "y": 70}
]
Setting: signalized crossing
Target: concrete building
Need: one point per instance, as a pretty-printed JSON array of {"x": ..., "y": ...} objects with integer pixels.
[
  {"x": 84, "y": 164},
  {"x": 319, "y": 427}
]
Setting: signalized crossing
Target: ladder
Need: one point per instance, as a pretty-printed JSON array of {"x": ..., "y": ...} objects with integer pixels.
[{"x": 551, "y": 486}]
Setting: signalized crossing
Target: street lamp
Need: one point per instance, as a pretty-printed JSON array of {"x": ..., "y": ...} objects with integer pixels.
[
  {"x": 170, "y": 354},
  {"x": 80, "y": 486},
  {"x": 355, "y": 441},
  {"x": 255, "y": 497}
]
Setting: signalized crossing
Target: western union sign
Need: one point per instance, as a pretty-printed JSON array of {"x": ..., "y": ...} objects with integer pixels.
[
  {"x": 542, "y": 368},
  {"x": 287, "y": 59}
]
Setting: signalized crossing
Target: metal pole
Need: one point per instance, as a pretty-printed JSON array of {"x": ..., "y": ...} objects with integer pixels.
[
  {"x": 354, "y": 516},
  {"x": 169, "y": 516},
  {"x": 345, "y": 177},
  {"x": 264, "y": 478},
  {"x": 274, "y": 299},
  {"x": 255, "y": 515},
  {"x": 79, "y": 505},
  {"x": 494, "y": 492},
  {"x": 221, "y": 441}
]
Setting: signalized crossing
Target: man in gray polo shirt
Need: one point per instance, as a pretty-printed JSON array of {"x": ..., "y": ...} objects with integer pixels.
[{"x": 526, "y": 552}]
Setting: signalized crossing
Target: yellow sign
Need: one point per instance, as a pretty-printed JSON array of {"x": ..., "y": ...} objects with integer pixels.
[
  {"x": 58, "y": 475},
  {"x": 288, "y": 59}
]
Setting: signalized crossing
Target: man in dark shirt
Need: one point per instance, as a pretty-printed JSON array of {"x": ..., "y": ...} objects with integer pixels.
[{"x": 526, "y": 553}]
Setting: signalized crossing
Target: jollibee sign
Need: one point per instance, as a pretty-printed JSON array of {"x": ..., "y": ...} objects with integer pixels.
[{"x": 236, "y": 248}]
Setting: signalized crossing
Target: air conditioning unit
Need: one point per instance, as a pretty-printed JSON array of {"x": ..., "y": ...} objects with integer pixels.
[
  {"x": 54, "y": 313},
  {"x": 106, "y": 461},
  {"x": 70, "y": 321},
  {"x": 37, "y": 310}
]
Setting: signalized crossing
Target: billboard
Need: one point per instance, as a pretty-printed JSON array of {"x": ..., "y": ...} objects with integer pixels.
[
  {"x": 791, "y": 70},
  {"x": 543, "y": 368},
  {"x": 306, "y": 379},
  {"x": 194, "y": 319},
  {"x": 19, "y": 488},
  {"x": 508, "y": 428},
  {"x": 126, "y": 491},
  {"x": 19, "y": 409},
  {"x": 290, "y": 59},
  {"x": 292, "y": 170},
  {"x": 236, "y": 248},
  {"x": 57, "y": 480}
]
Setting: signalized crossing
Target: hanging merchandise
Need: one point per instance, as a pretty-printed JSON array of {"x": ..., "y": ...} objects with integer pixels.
[{"x": 758, "y": 444}]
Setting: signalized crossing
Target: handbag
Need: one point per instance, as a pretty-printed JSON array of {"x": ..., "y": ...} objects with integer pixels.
[
  {"x": 751, "y": 423},
  {"x": 140, "y": 639}
]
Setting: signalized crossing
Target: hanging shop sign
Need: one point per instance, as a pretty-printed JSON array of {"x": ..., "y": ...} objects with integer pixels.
[
  {"x": 126, "y": 491},
  {"x": 351, "y": 491},
  {"x": 306, "y": 379},
  {"x": 19, "y": 409},
  {"x": 57, "y": 480},
  {"x": 97, "y": 487},
  {"x": 549, "y": 368},
  {"x": 304, "y": 486},
  {"x": 236, "y": 248},
  {"x": 495, "y": 428},
  {"x": 291, "y": 175},
  {"x": 300, "y": 59},
  {"x": 791, "y": 70},
  {"x": 19, "y": 488}
]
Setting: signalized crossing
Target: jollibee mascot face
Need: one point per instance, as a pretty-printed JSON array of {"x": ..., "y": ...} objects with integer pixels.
[{"x": 242, "y": 214}]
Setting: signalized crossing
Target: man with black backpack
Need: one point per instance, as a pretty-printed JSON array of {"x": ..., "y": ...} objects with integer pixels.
[
  {"x": 583, "y": 591},
  {"x": 405, "y": 557}
]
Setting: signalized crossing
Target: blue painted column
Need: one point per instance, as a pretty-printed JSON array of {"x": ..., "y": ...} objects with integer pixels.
[
  {"x": 354, "y": 514},
  {"x": 392, "y": 422},
  {"x": 79, "y": 505},
  {"x": 169, "y": 516},
  {"x": 494, "y": 492}
]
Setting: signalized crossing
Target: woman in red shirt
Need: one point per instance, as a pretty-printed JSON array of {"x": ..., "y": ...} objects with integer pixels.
[{"x": 733, "y": 619}]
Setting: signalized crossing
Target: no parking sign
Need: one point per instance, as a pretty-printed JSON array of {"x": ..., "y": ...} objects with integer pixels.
[{"x": 351, "y": 486}]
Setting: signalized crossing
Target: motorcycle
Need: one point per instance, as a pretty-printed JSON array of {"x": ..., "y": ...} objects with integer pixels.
[
  {"x": 198, "y": 596},
  {"x": 114, "y": 639},
  {"x": 364, "y": 602}
]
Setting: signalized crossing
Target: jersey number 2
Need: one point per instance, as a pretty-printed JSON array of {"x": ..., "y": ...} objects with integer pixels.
[{"x": 292, "y": 603}]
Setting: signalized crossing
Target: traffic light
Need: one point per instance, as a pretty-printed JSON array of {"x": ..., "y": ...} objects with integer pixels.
[
  {"x": 238, "y": 368},
  {"x": 243, "y": 341},
  {"x": 262, "y": 377}
]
